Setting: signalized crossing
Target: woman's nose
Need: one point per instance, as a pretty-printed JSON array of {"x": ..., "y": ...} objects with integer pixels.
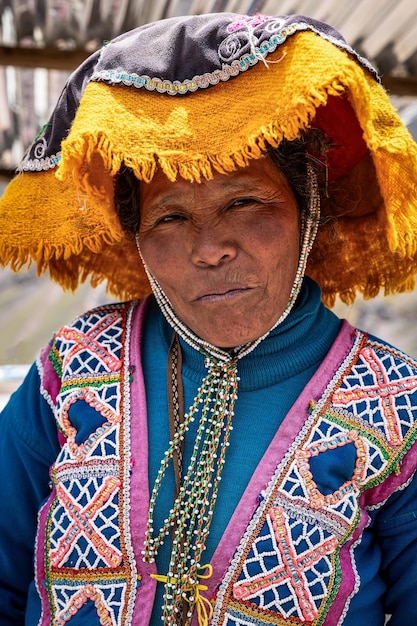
[{"x": 212, "y": 246}]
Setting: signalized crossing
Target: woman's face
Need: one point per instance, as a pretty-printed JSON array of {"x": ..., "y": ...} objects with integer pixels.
[{"x": 225, "y": 251}]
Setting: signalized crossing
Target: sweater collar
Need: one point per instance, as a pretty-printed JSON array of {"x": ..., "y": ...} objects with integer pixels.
[{"x": 287, "y": 351}]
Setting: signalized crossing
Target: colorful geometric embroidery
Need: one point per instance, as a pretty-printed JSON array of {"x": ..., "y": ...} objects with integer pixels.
[
  {"x": 289, "y": 563},
  {"x": 299, "y": 488},
  {"x": 296, "y": 573},
  {"x": 90, "y": 568},
  {"x": 317, "y": 499},
  {"x": 100, "y": 435},
  {"x": 107, "y": 602},
  {"x": 83, "y": 341},
  {"x": 387, "y": 385},
  {"x": 91, "y": 346},
  {"x": 83, "y": 521}
]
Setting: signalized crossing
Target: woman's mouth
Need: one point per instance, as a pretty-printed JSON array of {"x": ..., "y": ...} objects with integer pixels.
[{"x": 217, "y": 295}]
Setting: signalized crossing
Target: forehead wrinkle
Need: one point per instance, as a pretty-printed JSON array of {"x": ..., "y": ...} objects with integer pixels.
[
  {"x": 235, "y": 184},
  {"x": 176, "y": 194}
]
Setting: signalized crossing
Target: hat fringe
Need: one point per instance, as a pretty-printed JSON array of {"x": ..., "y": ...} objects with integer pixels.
[
  {"x": 72, "y": 217},
  {"x": 394, "y": 153},
  {"x": 64, "y": 238},
  {"x": 78, "y": 164},
  {"x": 80, "y": 151}
]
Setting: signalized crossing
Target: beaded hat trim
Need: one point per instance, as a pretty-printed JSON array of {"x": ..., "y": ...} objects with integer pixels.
[{"x": 230, "y": 65}]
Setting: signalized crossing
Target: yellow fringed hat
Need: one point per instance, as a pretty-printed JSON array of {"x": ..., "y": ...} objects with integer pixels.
[{"x": 208, "y": 93}]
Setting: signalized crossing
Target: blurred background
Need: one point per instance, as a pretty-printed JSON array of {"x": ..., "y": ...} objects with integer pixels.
[{"x": 43, "y": 41}]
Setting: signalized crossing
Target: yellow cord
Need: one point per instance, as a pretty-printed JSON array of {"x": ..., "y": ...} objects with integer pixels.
[{"x": 202, "y": 604}]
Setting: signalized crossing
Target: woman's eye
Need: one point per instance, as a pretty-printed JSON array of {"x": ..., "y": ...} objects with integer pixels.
[
  {"x": 243, "y": 202},
  {"x": 173, "y": 217}
]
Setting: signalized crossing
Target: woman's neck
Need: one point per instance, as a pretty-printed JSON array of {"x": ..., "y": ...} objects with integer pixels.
[{"x": 296, "y": 344}]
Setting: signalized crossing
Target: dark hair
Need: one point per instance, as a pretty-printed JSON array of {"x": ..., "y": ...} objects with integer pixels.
[
  {"x": 291, "y": 157},
  {"x": 127, "y": 200}
]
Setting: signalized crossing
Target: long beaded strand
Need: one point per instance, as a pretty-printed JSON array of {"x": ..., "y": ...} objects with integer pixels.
[{"x": 191, "y": 514}]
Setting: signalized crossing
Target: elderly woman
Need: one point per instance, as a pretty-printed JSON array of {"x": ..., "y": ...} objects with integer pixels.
[{"x": 225, "y": 451}]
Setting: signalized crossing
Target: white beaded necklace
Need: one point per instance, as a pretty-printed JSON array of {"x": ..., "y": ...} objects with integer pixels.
[{"x": 190, "y": 517}]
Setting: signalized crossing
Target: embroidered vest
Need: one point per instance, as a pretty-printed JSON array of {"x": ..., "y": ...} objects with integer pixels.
[{"x": 294, "y": 562}]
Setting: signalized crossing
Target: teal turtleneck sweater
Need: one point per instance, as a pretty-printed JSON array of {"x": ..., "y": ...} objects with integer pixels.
[{"x": 271, "y": 378}]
